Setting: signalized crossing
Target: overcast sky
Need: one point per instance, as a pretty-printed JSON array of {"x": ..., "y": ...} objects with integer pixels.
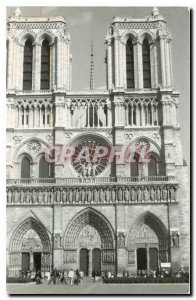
[{"x": 90, "y": 23}]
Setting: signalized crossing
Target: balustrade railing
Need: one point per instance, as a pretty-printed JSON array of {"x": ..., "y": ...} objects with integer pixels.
[{"x": 87, "y": 180}]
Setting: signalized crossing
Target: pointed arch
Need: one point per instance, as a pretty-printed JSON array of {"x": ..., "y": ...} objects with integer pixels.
[
  {"x": 153, "y": 222},
  {"x": 45, "y": 34},
  {"x": 26, "y": 35},
  {"x": 92, "y": 217},
  {"x": 23, "y": 227},
  {"x": 146, "y": 34}
]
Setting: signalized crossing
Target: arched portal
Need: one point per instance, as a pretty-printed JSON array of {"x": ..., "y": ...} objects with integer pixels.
[
  {"x": 29, "y": 248},
  {"x": 147, "y": 243},
  {"x": 89, "y": 237}
]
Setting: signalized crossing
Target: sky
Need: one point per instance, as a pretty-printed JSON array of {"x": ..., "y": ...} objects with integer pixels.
[{"x": 91, "y": 23}]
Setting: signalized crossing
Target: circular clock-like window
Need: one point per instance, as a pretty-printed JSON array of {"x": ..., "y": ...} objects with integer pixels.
[{"x": 91, "y": 156}]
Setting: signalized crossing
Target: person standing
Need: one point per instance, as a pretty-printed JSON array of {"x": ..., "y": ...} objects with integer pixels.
[
  {"x": 81, "y": 276},
  {"x": 71, "y": 276},
  {"x": 77, "y": 277}
]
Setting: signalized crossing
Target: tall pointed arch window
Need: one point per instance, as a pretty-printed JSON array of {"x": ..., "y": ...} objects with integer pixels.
[
  {"x": 25, "y": 168},
  {"x": 152, "y": 166},
  {"x": 146, "y": 64},
  {"x": 27, "y": 65},
  {"x": 130, "y": 64},
  {"x": 45, "y": 65}
]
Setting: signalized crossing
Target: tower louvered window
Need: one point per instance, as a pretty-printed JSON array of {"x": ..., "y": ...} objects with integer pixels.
[
  {"x": 146, "y": 64},
  {"x": 130, "y": 64},
  {"x": 27, "y": 65},
  {"x": 45, "y": 65}
]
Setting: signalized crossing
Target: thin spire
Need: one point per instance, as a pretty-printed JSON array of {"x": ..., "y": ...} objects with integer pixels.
[{"x": 92, "y": 79}]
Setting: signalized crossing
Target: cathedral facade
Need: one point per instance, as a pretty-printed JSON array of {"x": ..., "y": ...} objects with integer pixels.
[{"x": 95, "y": 178}]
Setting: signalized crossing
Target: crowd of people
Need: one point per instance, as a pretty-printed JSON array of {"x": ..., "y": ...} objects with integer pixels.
[
  {"x": 59, "y": 277},
  {"x": 72, "y": 277}
]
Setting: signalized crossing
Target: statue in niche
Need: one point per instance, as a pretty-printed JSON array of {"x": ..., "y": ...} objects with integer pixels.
[
  {"x": 133, "y": 194},
  {"x": 175, "y": 239},
  {"x": 64, "y": 195},
  {"x": 126, "y": 194},
  {"x": 121, "y": 240},
  {"x": 40, "y": 196},
  {"x": 107, "y": 195},
  {"x": 58, "y": 196},
  {"x": 131, "y": 257},
  {"x": 16, "y": 196},
  {"x": 158, "y": 194},
  {"x": 146, "y": 195},
  {"x": 89, "y": 195},
  {"x": 120, "y": 195},
  {"x": 152, "y": 194},
  {"x": 9, "y": 196},
  {"x": 22, "y": 195},
  {"x": 171, "y": 193},
  {"x": 101, "y": 195},
  {"x": 27, "y": 196},
  {"x": 139, "y": 195},
  {"x": 57, "y": 241},
  {"x": 83, "y": 195},
  {"x": 45, "y": 196},
  {"x": 70, "y": 196},
  {"x": 113, "y": 195},
  {"x": 77, "y": 196},
  {"x": 51, "y": 196},
  {"x": 164, "y": 194},
  {"x": 95, "y": 195},
  {"x": 34, "y": 196}
]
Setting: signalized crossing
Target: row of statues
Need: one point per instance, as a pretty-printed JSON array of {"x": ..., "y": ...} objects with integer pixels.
[{"x": 92, "y": 195}]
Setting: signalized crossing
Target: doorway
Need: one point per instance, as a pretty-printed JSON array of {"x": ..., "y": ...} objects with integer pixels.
[
  {"x": 96, "y": 260},
  {"x": 84, "y": 261},
  {"x": 141, "y": 259},
  {"x": 153, "y": 255},
  {"x": 25, "y": 261},
  {"x": 37, "y": 261}
]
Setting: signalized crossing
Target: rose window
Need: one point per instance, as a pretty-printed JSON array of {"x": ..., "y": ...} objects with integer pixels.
[{"x": 91, "y": 157}]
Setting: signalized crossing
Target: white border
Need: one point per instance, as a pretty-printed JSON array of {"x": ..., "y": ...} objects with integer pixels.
[{"x": 188, "y": 3}]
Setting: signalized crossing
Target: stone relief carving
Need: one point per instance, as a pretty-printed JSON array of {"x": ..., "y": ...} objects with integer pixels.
[
  {"x": 89, "y": 238},
  {"x": 142, "y": 234},
  {"x": 121, "y": 240},
  {"x": 17, "y": 139},
  {"x": 57, "y": 241},
  {"x": 127, "y": 194},
  {"x": 31, "y": 242},
  {"x": 175, "y": 239},
  {"x": 131, "y": 257}
]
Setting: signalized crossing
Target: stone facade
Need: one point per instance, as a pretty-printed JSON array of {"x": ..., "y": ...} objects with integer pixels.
[{"x": 103, "y": 207}]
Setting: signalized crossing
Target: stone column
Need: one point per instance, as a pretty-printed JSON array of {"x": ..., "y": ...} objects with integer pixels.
[
  {"x": 139, "y": 65},
  {"x": 59, "y": 63},
  {"x": 148, "y": 259},
  {"x": 10, "y": 63},
  {"x": 136, "y": 72},
  {"x": 116, "y": 52},
  {"x": 170, "y": 62},
  {"x": 168, "y": 66},
  {"x": 90, "y": 262},
  {"x": 37, "y": 67},
  {"x": 31, "y": 261},
  {"x": 163, "y": 62},
  {"x": 109, "y": 63}
]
